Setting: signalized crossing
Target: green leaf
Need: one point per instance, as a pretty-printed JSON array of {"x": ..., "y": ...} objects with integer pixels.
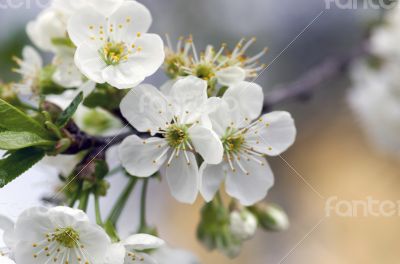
[
  {"x": 10, "y": 140},
  {"x": 17, "y": 163},
  {"x": 13, "y": 119},
  {"x": 66, "y": 42},
  {"x": 67, "y": 114}
]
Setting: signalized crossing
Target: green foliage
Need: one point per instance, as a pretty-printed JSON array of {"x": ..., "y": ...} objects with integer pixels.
[
  {"x": 13, "y": 119},
  {"x": 47, "y": 85},
  {"x": 11, "y": 140},
  {"x": 67, "y": 114},
  {"x": 105, "y": 96},
  {"x": 18, "y": 162}
]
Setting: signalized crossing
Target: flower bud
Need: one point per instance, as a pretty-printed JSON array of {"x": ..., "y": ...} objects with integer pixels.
[
  {"x": 243, "y": 224},
  {"x": 271, "y": 217}
]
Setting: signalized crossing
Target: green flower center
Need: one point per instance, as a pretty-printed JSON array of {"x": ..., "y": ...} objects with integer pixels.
[
  {"x": 233, "y": 142},
  {"x": 177, "y": 135},
  {"x": 204, "y": 71},
  {"x": 114, "y": 53},
  {"x": 173, "y": 64},
  {"x": 66, "y": 237}
]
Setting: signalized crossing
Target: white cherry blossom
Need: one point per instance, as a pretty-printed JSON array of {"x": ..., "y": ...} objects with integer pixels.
[
  {"x": 168, "y": 255},
  {"x": 228, "y": 67},
  {"x": 59, "y": 235},
  {"x": 132, "y": 250},
  {"x": 176, "y": 117},
  {"x": 116, "y": 49},
  {"x": 30, "y": 67},
  {"x": 247, "y": 173}
]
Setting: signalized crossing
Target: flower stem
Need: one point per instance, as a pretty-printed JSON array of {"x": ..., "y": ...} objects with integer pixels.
[
  {"x": 97, "y": 210},
  {"x": 143, "y": 224},
  {"x": 121, "y": 202},
  {"x": 83, "y": 202}
]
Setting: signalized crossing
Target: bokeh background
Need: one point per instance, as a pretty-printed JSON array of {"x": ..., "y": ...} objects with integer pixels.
[{"x": 331, "y": 154}]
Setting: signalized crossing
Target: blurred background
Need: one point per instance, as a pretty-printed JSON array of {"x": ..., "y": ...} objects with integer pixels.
[{"x": 331, "y": 154}]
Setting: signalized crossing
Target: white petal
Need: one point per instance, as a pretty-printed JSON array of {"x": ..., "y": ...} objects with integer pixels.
[
  {"x": 90, "y": 63},
  {"x": 231, "y": 75},
  {"x": 85, "y": 26},
  {"x": 95, "y": 241},
  {"x": 65, "y": 216},
  {"x": 122, "y": 76},
  {"x": 211, "y": 179},
  {"x": 146, "y": 109},
  {"x": 275, "y": 135},
  {"x": 148, "y": 54},
  {"x": 183, "y": 178},
  {"x": 115, "y": 254},
  {"x": 32, "y": 57},
  {"x": 140, "y": 258},
  {"x": 87, "y": 88},
  {"x": 67, "y": 74},
  {"x": 5, "y": 260},
  {"x": 207, "y": 144},
  {"x": 129, "y": 19},
  {"x": 190, "y": 96},
  {"x": 142, "y": 159},
  {"x": 245, "y": 102},
  {"x": 142, "y": 242},
  {"x": 220, "y": 116},
  {"x": 46, "y": 27},
  {"x": 9, "y": 236},
  {"x": 32, "y": 224},
  {"x": 167, "y": 87},
  {"x": 252, "y": 188}
]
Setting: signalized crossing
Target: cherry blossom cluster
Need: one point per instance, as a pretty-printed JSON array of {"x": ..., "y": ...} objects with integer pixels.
[{"x": 202, "y": 129}]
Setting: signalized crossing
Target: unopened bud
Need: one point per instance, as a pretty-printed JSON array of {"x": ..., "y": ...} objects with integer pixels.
[
  {"x": 271, "y": 217},
  {"x": 243, "y": 224}
]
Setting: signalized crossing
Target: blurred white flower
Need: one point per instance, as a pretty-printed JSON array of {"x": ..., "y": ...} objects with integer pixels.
[
  {"x": 132, "y": 250},
  {"x": 168, "y": 255},
  {"x": 30, "y": 67},
  {"x": 116, "y": 49},
  {"x": 248, "y": 175},
  {"x": 375, "y": 98},
  {"x": 243, "y": 225},
  {"x": 59, "y": 235},
  {"x": 66, "y": 74},
  {"x": 6, "y": 260},
  {"x": 51, "y": 23},
  {"x": 177, "y": 118}
]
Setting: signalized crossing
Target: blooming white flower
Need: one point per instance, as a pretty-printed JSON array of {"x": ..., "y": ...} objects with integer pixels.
[
  {"x": 6, "y": 260},
  {"x": 51, "y": 24},
  {"x": 131, "y": 250},
  {"x": 168, "y": 255},
  {"x": 248, "y": 175},
  {"x": 243, "y": 225},
  {"x": 58, "y": 235},
  {"x": 66, "y": 73},
  {"x": 229, "y": 69},
  {"x": 177, "y": 118},
  {"x": 30, "y": 67},
  {"x": 116, "y": 49}
]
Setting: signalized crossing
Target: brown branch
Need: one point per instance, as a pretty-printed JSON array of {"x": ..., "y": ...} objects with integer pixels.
[{"x": 313, "y": 79}]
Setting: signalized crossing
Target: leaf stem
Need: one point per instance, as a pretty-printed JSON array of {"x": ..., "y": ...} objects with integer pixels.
[
  {"x": 143, "y": 200},
  {"x": 97, "y": 210},
  {"x": 121, "y": 202},
  {"x": 83, "y": 202}
]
